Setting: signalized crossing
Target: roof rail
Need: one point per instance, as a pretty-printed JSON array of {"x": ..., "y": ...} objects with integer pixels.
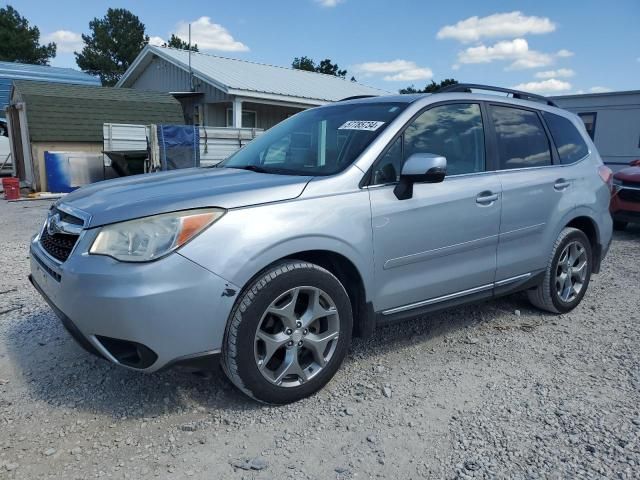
[
  {"x": 467, "y": 87},
  {"x": 356, "y": 97}
]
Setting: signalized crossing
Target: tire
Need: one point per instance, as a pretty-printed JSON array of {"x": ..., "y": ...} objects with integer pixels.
[
  {"x": 546, "y": 296},
  {"x": 262, "y": 357},
  {"x": 619, "y": 225}
]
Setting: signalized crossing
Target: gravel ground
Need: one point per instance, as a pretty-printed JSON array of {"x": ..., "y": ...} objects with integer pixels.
[{"x": 496, "y": 390}]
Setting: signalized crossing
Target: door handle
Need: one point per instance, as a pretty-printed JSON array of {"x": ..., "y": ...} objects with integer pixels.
[
  {"x": 486, "y": 198},
  {"x": 561, "y": 184}
]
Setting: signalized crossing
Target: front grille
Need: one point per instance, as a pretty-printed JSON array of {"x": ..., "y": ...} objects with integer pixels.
[
  {"x": 59, "y": 245},
  {"x": 629, "y": 195}
]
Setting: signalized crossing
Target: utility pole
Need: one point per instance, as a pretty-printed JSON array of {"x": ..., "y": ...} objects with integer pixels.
[{"x": 190, "y": 72}]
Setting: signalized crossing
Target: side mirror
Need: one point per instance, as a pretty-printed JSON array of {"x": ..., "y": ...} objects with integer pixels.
[{"x": 420, "y": 168}]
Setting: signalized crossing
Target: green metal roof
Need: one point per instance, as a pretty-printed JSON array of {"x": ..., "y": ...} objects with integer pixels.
[{"x": 75, "y": 113}]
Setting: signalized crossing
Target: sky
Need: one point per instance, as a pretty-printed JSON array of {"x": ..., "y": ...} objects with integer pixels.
[{"x": 543, "y": 46}]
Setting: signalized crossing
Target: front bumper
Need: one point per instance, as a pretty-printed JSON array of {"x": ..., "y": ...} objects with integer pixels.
[{"x": 165, "y": 312}]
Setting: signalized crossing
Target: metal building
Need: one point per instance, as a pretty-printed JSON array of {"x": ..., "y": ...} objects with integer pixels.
[
  {"x": 10, "y": 71},
  {"x": 225, "y": 92},
  {"x": 612, "y": 120}
]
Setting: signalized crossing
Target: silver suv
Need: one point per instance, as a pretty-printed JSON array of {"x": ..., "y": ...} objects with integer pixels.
[{"x": 336, "y": 221}]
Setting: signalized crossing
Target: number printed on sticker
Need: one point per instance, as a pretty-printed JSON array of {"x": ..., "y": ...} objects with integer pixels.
[{"x": 368, "y": 125}]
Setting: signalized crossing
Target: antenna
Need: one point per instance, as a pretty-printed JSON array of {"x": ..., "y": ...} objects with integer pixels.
[{"x": 190, "y": 71}]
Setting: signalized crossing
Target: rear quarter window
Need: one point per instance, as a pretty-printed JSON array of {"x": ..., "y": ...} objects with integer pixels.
[{"x": 570, "y": 144}]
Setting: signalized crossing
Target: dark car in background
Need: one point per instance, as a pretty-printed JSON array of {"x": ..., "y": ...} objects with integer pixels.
[{"x": 625, "y": 203}]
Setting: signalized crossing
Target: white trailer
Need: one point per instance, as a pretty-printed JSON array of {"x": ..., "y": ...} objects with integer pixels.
[{"x": 216, "y": 143}]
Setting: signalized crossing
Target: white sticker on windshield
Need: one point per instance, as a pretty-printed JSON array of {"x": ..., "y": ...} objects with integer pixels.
[{"x": 369, "y": 125}]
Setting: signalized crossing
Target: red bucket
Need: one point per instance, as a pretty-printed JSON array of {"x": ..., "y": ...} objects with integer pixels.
[{"x": 11, "y": 188}]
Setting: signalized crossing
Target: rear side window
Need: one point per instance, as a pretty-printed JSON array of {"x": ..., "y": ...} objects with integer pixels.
[
  {"x": 522, "y": 141},
  {"x": 569, "y": 142}
]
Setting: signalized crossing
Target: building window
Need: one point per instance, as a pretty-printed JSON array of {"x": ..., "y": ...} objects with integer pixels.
[
  {"x": 589, "y": 120},
  {"x": 249, "y": 118}
]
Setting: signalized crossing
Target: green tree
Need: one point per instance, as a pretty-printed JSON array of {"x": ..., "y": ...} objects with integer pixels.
[
  {"x": 329, "y": 68},
  {"x": 326, "y": 66},
  {"x": 304, "y": 63},
  {"x": 21, "y": 43},
  {"x": 115, "y": 41},
  {"x": 432, "y": 87},
  {"x": 177, "y": 42}
]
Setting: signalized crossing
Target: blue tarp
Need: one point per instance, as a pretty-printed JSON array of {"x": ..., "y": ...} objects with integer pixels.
[{"x": 179, "y": 146}]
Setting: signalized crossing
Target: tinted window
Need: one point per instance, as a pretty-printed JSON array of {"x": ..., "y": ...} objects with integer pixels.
[
  {"x": 454, "y": 131},
  {"x": 522, "y": 141},
  {"x": 569, "y": 142},
  {"x": 388, "y": 170}
]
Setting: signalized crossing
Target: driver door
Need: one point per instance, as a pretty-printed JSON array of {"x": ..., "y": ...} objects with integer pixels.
[{"x": 442, "y": 241}]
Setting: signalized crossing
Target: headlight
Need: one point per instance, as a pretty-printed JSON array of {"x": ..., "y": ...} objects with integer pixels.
[{"x": 150, "y": 238}]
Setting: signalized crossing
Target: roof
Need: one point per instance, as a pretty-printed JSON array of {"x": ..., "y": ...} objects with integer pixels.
[
  {"x": 10, "y": 71},
  {"x": 59, "y": 112},
  {"x": 598, "y": 94},
  {"x": 253, "y": 80}
]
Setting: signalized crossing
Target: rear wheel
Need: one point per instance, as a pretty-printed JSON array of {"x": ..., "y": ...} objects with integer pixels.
[
  {"x": 619, "y": 225},
  {"x": 288, "y": 333},
  {"x": 567, "y": 275}
]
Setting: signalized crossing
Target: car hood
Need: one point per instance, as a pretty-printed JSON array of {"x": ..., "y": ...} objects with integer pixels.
[
  {"x": 142, "y": 195},
  {"x": 629, "y": 174}
]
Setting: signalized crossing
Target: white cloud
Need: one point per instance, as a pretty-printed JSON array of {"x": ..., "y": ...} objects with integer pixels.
[
  {"x": 384, "y": 67},
  {"x": 516, "y": 50},
  {"x": 549, "y": 85},
  {"x": 66, "y": 40},
  {"x": 410, "y": 75},
  {"x": 329, "y": 3},
  {"x": 505, "y": 25},
  {"x": 209, "y": 36},
  {"x": 599, "y": 89},
  {"x": 157, "y": 41},
  {"x": 560, "y": 73},
  {"x": 395, "y": 70},
  {"x": 564, "y": 53}
]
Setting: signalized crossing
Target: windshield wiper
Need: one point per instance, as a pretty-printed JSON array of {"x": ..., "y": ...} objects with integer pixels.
[{"x": 252, "y": 168}]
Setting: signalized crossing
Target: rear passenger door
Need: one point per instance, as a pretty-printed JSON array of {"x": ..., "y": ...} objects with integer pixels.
[{"x": 535, "y": 190}]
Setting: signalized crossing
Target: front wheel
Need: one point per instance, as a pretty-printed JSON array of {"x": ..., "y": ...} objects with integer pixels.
[
  {"x": 567, "y": 274},
  {"x": 288, "y": 333}
]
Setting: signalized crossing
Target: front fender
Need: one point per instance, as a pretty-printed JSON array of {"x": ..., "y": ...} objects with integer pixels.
[{"x": 247, "y": 240}]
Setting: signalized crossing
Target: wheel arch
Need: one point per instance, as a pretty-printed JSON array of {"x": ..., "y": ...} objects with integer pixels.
[
  {"x": 588, "y": 226},
  {"x": 349, "y": 275}
]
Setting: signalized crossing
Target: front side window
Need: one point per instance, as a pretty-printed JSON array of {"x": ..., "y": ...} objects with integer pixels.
[
  {"x": 320, "y": 141},
  {"x": 522, "y": 140},
  {"x": 569, "y": 142},
  {"x": 454, "y": 131},
  {"x": 589, "y": 120}
]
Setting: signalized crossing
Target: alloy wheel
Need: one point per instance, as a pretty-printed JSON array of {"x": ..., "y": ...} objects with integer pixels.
[
  {"x": 571, "y": 271},
  {"x": 297, "y": 336}
]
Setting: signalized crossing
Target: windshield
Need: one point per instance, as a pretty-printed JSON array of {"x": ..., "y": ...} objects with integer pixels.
[{"x": 321, "y": 141}]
